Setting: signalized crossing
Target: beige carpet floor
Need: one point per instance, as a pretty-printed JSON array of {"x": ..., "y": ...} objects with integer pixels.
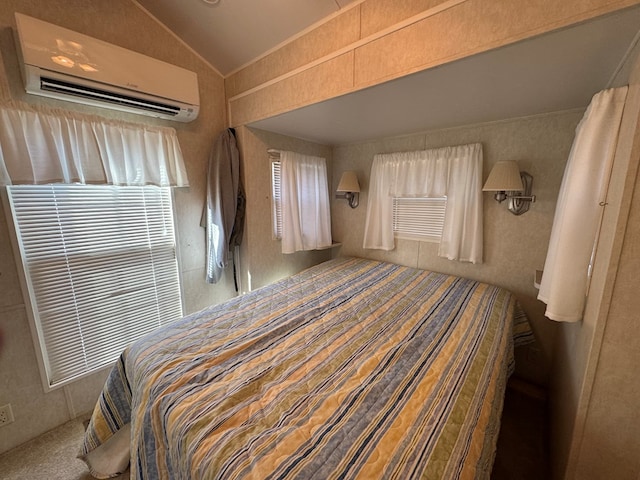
[
  {"x": 51, "y": 456},
  {"x": 522, "y": 452}
]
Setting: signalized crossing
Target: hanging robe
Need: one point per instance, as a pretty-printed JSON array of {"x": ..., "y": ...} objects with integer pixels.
[{"x": 221, "y": 207}]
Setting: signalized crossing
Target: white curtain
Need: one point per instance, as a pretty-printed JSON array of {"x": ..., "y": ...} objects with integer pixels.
[
  {"x": 578, "y": 212},
  {"x": 454, "y": 172},
  {"x": 306, "y": 220},
  {"x": 43, "y": 145}
]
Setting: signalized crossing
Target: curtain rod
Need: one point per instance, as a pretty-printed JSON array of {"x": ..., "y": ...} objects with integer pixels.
[{"x": 273, "y": 153}]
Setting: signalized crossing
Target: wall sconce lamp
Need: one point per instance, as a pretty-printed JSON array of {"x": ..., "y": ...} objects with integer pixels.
[
  {"x": 510, "y": 183},
  {"x": 349, "y": 188}
]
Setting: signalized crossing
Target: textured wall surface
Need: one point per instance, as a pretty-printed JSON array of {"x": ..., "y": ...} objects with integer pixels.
[{"x": 122, "y": 23}]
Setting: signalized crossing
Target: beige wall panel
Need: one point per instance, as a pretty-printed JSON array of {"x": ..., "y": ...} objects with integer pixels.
[
  {"x": 21, "y": 387},
  {"x": 326, "y": 80},
  {"x": 466, "y": 29},
  {"x": 380, "y": 14},
  {"x": 611, "y": 444},
  {"x": 9, "y": 281},
  {"x": 337, "y": 33}
]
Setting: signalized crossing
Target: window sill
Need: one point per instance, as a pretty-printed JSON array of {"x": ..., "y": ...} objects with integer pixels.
[{"x": 333, "y": 245}]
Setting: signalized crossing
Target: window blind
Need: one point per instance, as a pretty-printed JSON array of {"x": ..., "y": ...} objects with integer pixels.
[
  {"x": 276, "y": 198},
  {"x": 101, "y": 269},
  {"x": 419, "y": 218}
]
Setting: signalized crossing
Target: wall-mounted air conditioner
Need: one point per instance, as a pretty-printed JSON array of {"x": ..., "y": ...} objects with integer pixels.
[{"x": 61, "y": 63}]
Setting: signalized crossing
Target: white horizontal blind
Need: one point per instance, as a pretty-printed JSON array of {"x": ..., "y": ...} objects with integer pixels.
[
  {"x": 101, "y": 267},
  {"x": 276, "y": 198},
  {"x": 419, "y": 218}
]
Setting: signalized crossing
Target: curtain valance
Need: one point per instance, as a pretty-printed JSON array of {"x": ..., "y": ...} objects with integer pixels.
[
  {"x": 454, "y": 172},
  {"x": 44, "y": 145}
]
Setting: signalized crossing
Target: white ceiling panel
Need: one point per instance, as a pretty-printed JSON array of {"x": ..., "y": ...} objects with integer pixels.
[{"x": 231, "y": 33}]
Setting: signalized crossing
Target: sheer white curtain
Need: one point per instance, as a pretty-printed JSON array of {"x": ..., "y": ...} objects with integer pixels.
[
  {"x": 306, "y": 220},
  {"x": 43, "y": 145},
  {"x": 454, "y": 172},
  {"x": 578, "y": 212}
]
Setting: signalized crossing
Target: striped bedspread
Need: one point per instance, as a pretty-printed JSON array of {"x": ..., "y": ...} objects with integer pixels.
[{"x": 350, "y": 369}]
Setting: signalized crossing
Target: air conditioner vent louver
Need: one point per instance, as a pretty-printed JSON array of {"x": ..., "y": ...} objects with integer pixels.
[
  {"x": 53, "y": 85},
  {"x": 67, "y": 65}
]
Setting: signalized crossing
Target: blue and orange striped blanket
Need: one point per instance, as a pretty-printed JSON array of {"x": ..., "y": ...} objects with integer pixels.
[{"x": 350, "y": 369}]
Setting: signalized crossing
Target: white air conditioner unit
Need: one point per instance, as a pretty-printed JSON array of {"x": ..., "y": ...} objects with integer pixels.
[{"x": 67, "y": 65}]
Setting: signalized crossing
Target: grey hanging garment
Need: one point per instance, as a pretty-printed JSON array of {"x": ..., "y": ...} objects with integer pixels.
[
  {"x": 238, "y": 228},
  {"x": 219, "y": 214}
]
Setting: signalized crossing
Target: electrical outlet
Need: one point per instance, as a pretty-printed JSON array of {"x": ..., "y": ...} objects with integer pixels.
[{"x": 6, "y": 415}]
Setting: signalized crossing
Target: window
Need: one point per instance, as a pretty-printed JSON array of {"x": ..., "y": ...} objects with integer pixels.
[
  {"x": 100, "y": 267},
  {"x": 451, "y": 172},
  {"x": 419, "y": 218},
  {"x": 300, "y": 201},
  {"x": 276, "y": 198}
]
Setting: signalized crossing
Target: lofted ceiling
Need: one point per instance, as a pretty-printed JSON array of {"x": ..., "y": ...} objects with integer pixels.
[
  {"x": 556, "y": 71},
  {"x": 231, "y": 33}
]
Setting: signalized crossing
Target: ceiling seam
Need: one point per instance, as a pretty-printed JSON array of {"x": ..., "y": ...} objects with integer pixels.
[
  {"x": 180, "y": 40},
  {"x": 352, "y": 46},
  {"x": 624, "y": 59},
  {"x": 298, "y": 35}
]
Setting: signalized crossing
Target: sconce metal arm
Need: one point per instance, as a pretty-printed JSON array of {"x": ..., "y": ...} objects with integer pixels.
[
  {"x": 521, "y": 201},
  {"x": 353, "y": 198}
]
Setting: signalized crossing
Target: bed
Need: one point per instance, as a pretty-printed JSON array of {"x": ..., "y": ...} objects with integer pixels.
[{"x": 350, "y": 369}]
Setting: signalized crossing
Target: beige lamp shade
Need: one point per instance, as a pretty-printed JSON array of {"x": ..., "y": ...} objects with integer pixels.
[
  {"x": 348, "y": 183},
  {"x": 504, "y": 177}
]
